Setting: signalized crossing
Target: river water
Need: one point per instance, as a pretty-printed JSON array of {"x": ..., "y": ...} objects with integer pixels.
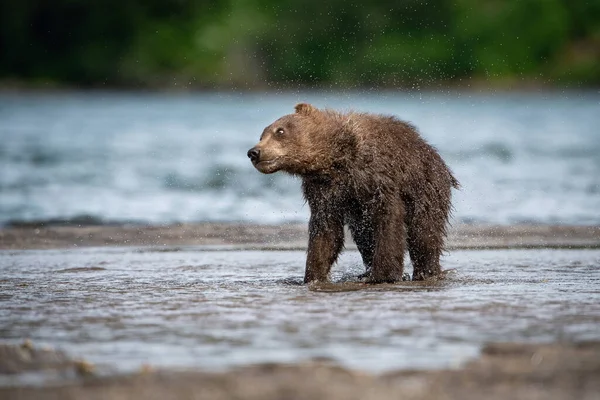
[
  {"x": 214, "y": 308},
  {"x": 162, "y": 158}
]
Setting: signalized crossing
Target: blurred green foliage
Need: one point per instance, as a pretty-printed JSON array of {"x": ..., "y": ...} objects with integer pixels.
[{"x": 335, "y": 43}]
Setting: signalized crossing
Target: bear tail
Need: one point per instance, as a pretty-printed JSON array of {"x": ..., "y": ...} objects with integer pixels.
[{"x": 455, "y": 182}]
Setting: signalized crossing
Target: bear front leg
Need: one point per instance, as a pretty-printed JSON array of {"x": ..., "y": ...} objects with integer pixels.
[
  {"x": 388, "y": 258},
  {"x": 326, "y": 240}
]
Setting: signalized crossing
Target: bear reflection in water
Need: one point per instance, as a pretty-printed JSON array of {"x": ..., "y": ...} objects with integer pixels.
[{"x": 371, "y": 172}]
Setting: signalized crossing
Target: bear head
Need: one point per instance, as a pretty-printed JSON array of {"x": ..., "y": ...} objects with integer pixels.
[{"x": 298, "y": 143}]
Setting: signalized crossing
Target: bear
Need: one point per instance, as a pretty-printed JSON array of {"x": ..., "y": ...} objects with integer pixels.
[{"x": 373, "y": 173}]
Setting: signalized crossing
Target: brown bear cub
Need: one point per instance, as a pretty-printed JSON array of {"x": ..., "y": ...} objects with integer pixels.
[{"x": 372, "y": 172}]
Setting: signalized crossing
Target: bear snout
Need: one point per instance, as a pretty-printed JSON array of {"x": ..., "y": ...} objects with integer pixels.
[{"x": 254, "y": 154}]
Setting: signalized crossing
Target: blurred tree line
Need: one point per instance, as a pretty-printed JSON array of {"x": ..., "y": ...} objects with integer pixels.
[{"x": 334, "y": 43}]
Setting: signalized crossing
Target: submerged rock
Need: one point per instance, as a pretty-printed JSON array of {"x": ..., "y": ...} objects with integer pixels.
[{"x": 16, "y": 359}]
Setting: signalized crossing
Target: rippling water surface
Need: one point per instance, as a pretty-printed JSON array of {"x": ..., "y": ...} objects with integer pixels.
[
  {"x": 160, "y": 158},
  {"x": 193, "y": 307}
]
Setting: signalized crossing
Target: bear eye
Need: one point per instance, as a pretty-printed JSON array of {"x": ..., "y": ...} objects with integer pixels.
[{"x": 279, "y": 131}]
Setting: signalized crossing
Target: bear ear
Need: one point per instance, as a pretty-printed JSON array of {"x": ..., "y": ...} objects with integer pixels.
[{"x": 305, "y": 109}]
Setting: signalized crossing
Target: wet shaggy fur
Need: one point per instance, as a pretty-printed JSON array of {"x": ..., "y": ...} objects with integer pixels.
[{"x": 371, "y": 172}]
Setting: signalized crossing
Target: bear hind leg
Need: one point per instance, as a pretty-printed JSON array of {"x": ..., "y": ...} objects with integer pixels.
[
  {"x": 425, "y": 240},
  {"x": 362, "y": 233}
]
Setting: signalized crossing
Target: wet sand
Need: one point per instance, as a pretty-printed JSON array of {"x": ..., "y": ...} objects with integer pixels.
[
  {"x": 502, "y": 371},
  {"x": 288, "y": 236}
]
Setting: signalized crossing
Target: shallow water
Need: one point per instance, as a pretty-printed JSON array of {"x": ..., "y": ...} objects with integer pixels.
[
  {"x": 161, "y": 158},
  {"x": 210, "y": 308}
]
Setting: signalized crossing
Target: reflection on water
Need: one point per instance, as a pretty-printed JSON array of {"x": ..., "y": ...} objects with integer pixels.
[
  {"x": 162, "y": 158},
  {"x": 212, "y": 309}
]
